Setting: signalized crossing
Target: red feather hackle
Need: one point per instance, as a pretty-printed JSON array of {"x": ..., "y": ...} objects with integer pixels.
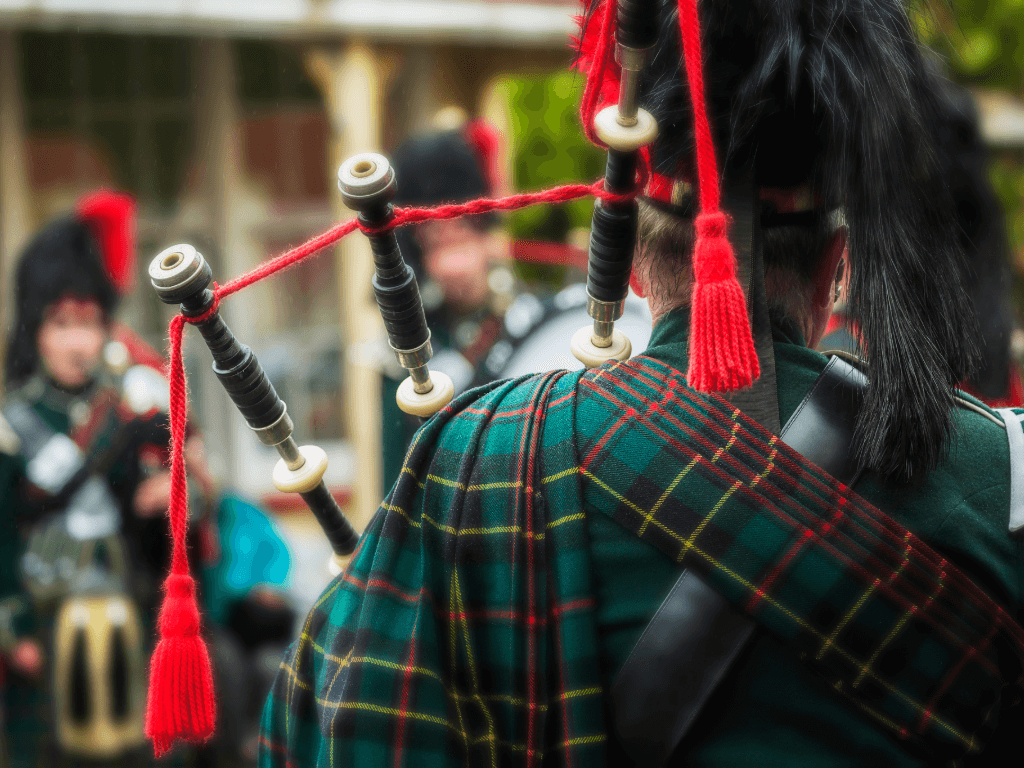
[{"x": 111, "y": 217}]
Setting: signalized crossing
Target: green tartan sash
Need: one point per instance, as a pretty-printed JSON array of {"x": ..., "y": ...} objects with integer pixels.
[
  {"x": 463, "y": 632},
  {"x": 887, "y": 621}
]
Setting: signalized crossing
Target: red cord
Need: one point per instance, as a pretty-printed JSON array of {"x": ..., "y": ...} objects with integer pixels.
[{"x": 707, "y": 165}]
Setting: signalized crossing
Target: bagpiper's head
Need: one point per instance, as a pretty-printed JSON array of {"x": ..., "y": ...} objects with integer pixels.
[
  {"x": 68, "y": 283},
  {"x": 829, "y": 109}
]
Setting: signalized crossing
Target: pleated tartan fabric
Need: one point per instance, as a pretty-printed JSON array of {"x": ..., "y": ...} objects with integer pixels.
[{"x": 464, "y": 632}]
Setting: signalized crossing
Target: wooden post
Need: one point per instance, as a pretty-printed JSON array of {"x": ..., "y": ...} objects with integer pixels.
[
  {"x": 218, "y": 162},
  {"x": 352, "y": 83},
  {"x": 15, "y": 199}
]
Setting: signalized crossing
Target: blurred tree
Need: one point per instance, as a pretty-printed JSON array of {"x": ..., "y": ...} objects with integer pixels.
[{"x": 983, "y": 44}]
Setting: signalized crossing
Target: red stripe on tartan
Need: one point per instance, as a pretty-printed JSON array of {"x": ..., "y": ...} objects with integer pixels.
[
  {"x": 837, "y": 515},
  {"x": 948, "y": 679},
  {"x": 566, "y": 711},
  {"x": 403, "y": 707},
  {"x": 878, "y": 521},
  {"x": 559, "y": 401},
  {"x": 796, "y": 465},
  {"x": 279, "y": 748},
  {"x": 377, "y": 583},
  {"x": 760, "y": 499},
  {"x": 574, "y": 605},
  {"x": 531, "y": 597},
  {"x": 626, "y": 415},
  {"x": 778, "y": 568},
  {"x": 515, "y": 615},
  {"x": 521, "y": 411}
]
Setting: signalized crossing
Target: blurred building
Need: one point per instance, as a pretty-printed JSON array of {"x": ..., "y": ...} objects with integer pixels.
[{"x": 228, "y": 121}]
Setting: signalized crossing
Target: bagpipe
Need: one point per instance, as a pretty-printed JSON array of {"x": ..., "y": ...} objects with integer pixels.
[{"x": 181, "y": 703}]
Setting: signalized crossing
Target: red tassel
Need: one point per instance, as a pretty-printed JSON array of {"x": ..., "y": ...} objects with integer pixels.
[
  {"x": 181, "y": 702},
  {"x": 722, "y": 354}
]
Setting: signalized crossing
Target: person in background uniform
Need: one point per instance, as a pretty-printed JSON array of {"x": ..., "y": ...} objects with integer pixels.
[
  {"x": 497, "y": 596},
  {"x": 83, "y": 490},
  {"x": 982, "y": 233},
  {"x": 462, "y": 265}
]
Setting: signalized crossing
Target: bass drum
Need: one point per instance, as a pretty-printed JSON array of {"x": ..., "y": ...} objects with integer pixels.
[{"x": 536, "y": 333}]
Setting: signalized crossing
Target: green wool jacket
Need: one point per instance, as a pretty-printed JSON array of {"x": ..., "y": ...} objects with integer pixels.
[{"x": 537, "y": 526}]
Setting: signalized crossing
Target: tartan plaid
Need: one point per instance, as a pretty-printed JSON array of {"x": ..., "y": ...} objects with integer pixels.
[{"x": 463, "y": 632}]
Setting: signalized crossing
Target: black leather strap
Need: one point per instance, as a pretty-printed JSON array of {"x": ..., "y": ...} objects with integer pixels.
[
  {"x": 694, "y": 638},
  {"x": 821, "y": 428}
]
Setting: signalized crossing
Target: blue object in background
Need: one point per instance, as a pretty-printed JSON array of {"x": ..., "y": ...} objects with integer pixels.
[{"x": 253, "y": 553}]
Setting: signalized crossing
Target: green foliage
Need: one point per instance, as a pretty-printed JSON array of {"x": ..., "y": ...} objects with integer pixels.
[
  {"x": 982, "y": 41},
  {"x": 983, "y": 44},
  {"x": 548, "y": 148}
]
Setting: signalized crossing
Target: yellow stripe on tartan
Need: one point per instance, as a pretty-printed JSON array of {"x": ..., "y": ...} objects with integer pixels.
[
  {"x": 580, "y": 741},
  {"x": 501, "y": 529},
  {"x": 330, "y": 688},
  {"x": 771, "y": 463},
  {"x": 293, "y": 674},
  {"x": 668, "y": 491},
  {"x": 391, "y": 712},
  {"x": 866, "y": 668},
  {"x": 689, "y": 543},
  {"x": 559, "y": 475},
  {"x": 505, "y": 698},
  {"x": 294, "y": 677},
  {"x": 503, "y": 484},
  {"x": 567, "y": 519},
  {"x": 888, "y": 722},
  {"x": 455, "y": 610},
  {"x": 787, "y": 611},
  {"x": 580, "y": 692},
  {"x": 863, "y": 599},
  {"x": 468, "y": 647},
  {"x": 622, "y": 499},
  {"x": 732, "y": 438},
  {"x": 905, "y": 618}
]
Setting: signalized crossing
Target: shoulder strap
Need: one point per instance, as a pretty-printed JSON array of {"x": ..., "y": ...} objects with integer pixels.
[{"x": 696, "y": 636}]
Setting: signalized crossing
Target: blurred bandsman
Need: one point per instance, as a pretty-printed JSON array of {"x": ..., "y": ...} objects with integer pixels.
[{"x": 83, "y": 491}]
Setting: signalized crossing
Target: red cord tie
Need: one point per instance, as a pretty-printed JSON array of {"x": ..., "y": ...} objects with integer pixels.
[{"x": 210, "y": 312}]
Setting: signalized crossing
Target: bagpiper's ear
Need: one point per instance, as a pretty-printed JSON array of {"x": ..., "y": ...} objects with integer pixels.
[
  {"x": 637, "y": 284},
  {"x": 825, "y": 277}
]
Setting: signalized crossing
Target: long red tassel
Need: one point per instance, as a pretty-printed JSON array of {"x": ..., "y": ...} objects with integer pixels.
[
  {"x": 722, "y": 355},
  {"x": 181, "y": 702}
]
